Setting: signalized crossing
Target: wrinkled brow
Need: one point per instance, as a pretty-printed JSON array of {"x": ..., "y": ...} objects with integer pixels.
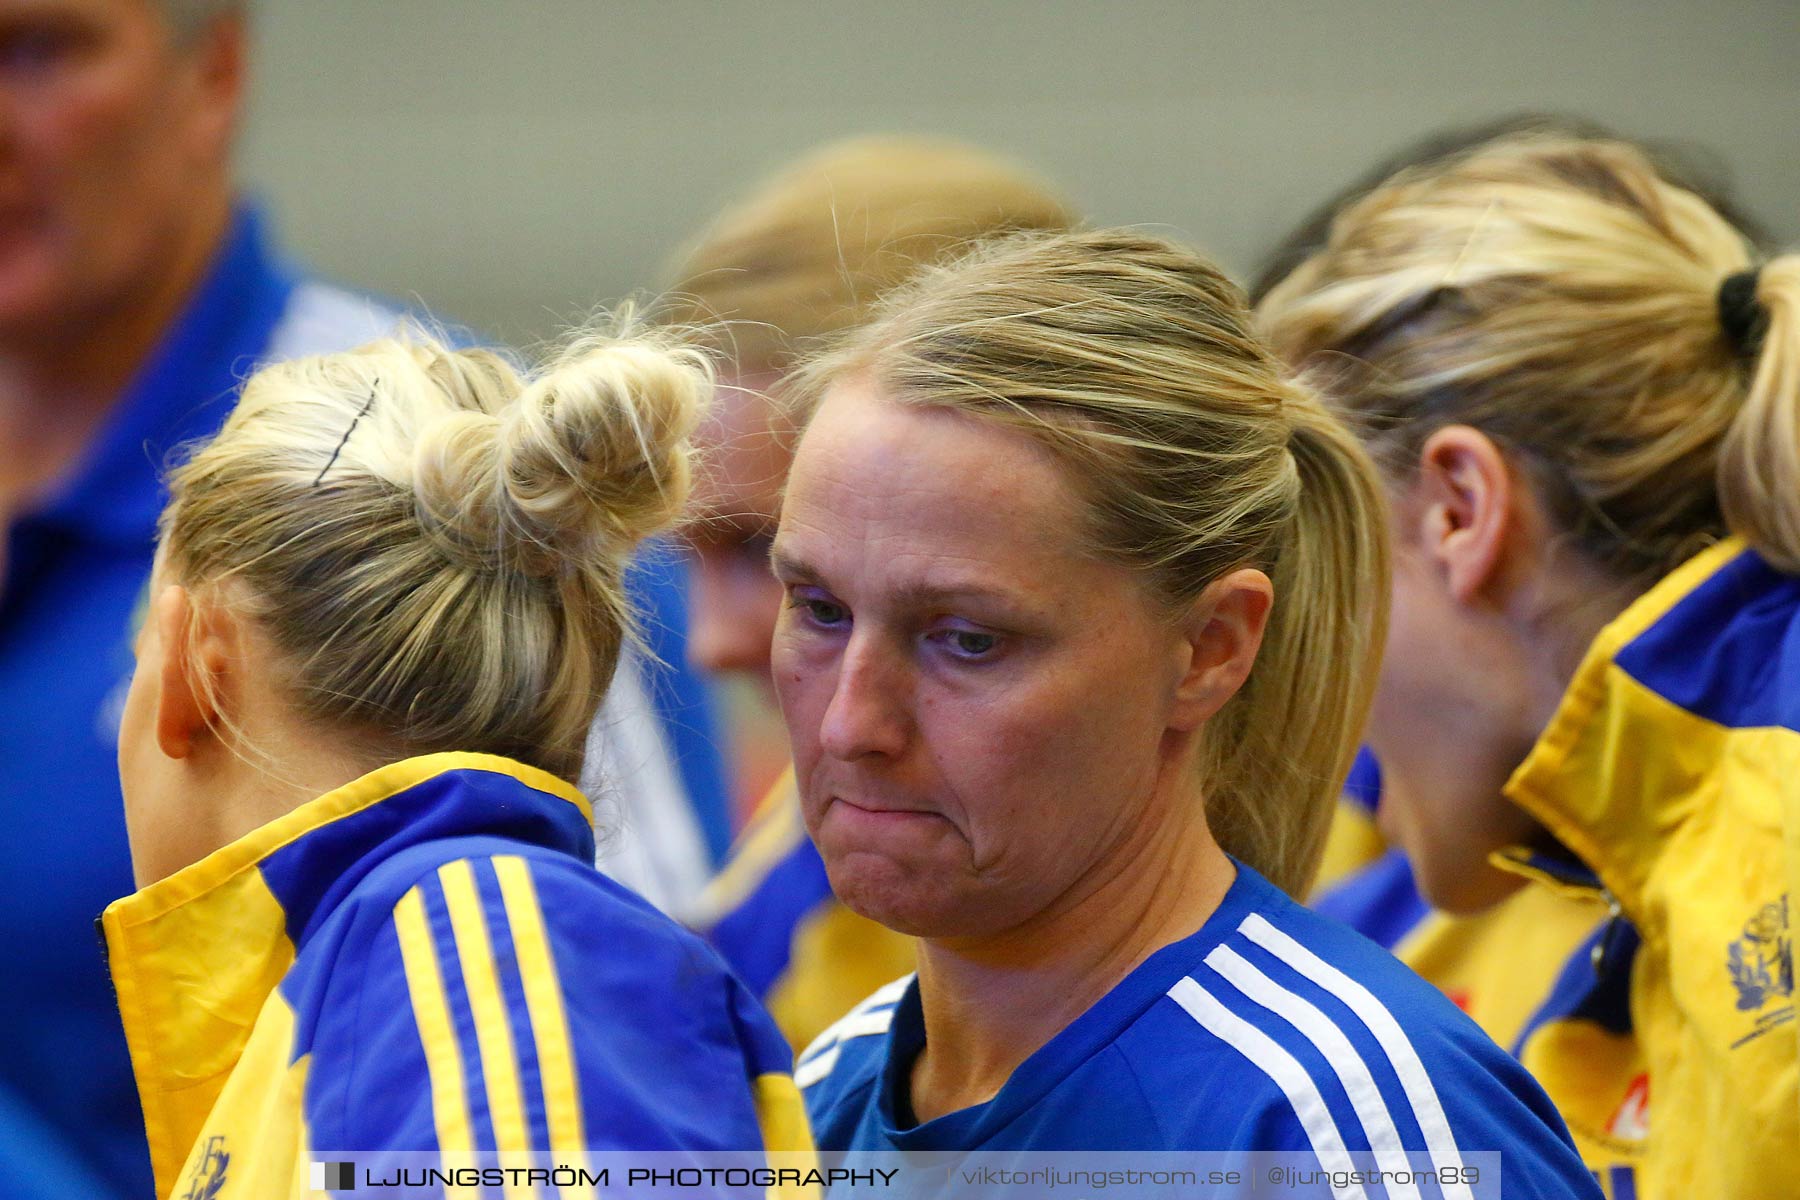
[{"x": 925, "y": 593}]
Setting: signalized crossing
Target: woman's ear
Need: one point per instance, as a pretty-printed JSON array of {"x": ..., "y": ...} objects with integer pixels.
[
  {"x": 1219, "y": 640},
  {"x": 1461, "y": 511},
  {"x": 197, "y": 639}
]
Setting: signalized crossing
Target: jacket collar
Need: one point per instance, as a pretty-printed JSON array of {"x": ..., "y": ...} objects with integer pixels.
[
  {"x": 195, "y": 956},
  {"x": 1608, "y": 770},
  {"x": 1560, "y": 872},
  {"x": 312, "y": 857}
]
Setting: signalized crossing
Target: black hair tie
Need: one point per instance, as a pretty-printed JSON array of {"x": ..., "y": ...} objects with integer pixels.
[{"x": 1743, "y": 319}]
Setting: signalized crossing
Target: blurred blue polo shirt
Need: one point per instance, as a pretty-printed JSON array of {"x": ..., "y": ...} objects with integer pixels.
[{"x": 76, "y": 567}]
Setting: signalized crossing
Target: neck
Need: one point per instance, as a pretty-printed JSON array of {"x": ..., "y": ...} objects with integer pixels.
[
  {"x": 990, "y": 1003},
  {"x": 59, "y": 382},
  {"x": 1555, "y": 632},
  {"x": 237, "y": 791}
]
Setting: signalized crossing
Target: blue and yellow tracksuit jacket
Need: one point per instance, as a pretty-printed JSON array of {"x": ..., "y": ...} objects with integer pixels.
[
  {"x": 1671, "y": 770},
  {"x": 426, "y": 960},
  {"x": 772, "y": 915}
]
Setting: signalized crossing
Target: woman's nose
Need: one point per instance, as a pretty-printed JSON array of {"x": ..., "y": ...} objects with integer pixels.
[{"x": 869, "y": 713}]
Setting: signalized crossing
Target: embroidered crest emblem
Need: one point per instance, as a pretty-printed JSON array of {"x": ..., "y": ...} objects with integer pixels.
[
  {"x": 1761, "y": 962},
  {"x": 209, "y": 1172}
]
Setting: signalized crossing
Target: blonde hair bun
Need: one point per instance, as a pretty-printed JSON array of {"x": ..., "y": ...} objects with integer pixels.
[
  {"x": 437, "y": 542},
  {"x": 573, "y": 468}
]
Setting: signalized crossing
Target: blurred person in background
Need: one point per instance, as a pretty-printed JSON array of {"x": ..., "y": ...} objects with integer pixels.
[
  {"x": 136, "y": 291},
  {"x": 1503, "y": 964},
  {"x": 1583, "y": 390},
  {"x": 804, "y": 255}
]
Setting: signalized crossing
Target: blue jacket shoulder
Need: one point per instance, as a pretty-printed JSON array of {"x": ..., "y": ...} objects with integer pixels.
[
  {"x": 452, "y": 951},
  {"x": 1332, "y": 1044}
]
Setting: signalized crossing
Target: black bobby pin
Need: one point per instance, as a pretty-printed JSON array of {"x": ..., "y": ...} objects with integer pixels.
[
  {"x": 345, "y": 440},
  {"x": 1742, "y": 318}
]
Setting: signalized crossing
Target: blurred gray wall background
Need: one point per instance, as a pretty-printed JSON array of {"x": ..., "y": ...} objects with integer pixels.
[{"x": 513, "y": 162}]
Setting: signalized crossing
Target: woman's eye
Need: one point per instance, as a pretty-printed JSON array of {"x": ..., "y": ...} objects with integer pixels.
[
  {"x": 821, "y": 612},
  {"x": 28, "y": 49},
  {"x": 970, "y": 643},
  {"x": 825, "y": 612}
]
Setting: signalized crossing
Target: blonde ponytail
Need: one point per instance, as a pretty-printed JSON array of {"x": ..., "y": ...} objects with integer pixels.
[
  {"x": 1759, "y": 463},
  {"x": 1296, "y": 724},
  {"x": 437, "y": 545},
  {"x": 1130, "y": 360},
  {"x": 1562, "y": 296}
]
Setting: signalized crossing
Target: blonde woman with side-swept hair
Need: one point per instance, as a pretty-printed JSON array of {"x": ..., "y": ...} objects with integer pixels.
[
  {"x": 1585, "y": 397},
  {"x": 1082, "y": 601},
  {"x": 388, "y": 599}
]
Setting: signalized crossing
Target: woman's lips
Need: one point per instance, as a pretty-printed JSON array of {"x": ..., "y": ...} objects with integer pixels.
[
  {"x": 887, "y": 810},
  {"x": 875, "y": 815}
]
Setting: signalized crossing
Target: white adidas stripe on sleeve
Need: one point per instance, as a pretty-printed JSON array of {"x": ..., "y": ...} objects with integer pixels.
[
  {"x": 1285, "y": 1070},
  {"x": 1352, "y": 1072},
  {"x": 816, "y": 1068},
  {"x": 1440, "y": 1143},
  {"x": 874, "y": 1015}
]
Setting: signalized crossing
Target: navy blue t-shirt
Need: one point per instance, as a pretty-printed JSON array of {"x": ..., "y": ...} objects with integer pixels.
[{"x": 1271, "y": 1028}]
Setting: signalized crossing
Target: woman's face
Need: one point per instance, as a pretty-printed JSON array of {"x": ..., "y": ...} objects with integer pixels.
[
  {"x": 980, "y": 710},
  {"x": 733, "y": 599},
  {"x": 114, "y": 140}
]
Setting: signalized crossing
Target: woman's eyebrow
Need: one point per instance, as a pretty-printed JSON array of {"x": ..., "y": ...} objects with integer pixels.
[
  {"x": 786, "y": 566},
  {"x": 929, "y": 590},
  {"x": 925, "y": 591}
]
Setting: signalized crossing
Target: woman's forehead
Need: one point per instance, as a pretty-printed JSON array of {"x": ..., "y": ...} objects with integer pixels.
[
  {"x": 871, "y": 452},
  {"x": 927, "y": 498}
]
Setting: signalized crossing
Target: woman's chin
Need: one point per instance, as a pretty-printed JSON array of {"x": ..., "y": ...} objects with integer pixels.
[
  {"x": 886, "y": 892},
  {"x": 907, "y": 899}
]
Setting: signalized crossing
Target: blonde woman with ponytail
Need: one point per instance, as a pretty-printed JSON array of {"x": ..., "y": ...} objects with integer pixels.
[
  {"x": 1585, "y": 398},
  {"x": 1081, "y": 601},
  {"x": 387, "y": 601},
  {"x": 803, "y": 256}
]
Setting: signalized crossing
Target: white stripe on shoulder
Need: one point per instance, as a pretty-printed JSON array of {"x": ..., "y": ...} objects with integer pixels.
[
  {"x": 1428, "y": 1111},
  {"x": 1285, "y": 1070},
  {"x": 887, "y": 993},
  {"x": 810, "y": 1071},
  {"x": 322, "y": 319},
  {"x": 875, "y": 1009},
  {"x": 1329, "y": 1040},
  {"x": 872, "y": 1016}
]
